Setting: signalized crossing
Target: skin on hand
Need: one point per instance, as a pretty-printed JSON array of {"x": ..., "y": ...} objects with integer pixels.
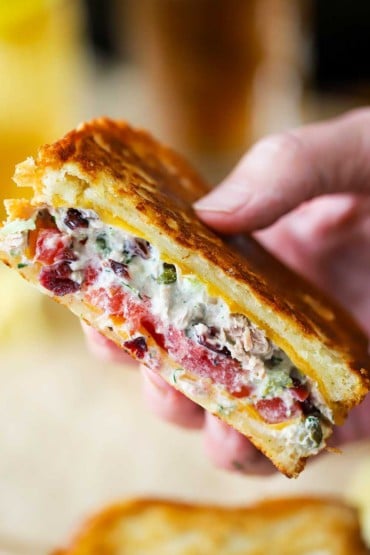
[{"x": 306, "y": 195}]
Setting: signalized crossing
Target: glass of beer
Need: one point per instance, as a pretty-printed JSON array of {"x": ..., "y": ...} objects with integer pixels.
[{"x": 202, "y": 60}]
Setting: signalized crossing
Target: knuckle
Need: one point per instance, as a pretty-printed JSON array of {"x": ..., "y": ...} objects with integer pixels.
[
  {"x": 281, "y": 145},
  {"x": 359, "y": 116}
]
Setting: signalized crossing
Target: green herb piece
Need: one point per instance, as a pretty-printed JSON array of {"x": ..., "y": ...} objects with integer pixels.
[
  {"x": 102, "y": 244},
  {"x": 177, "y": 373},
  {"x": 21, "y": 265},
  {"x": 276, "y": 381},
  {"x": 313, "y": 427},
  {"x": 127, "y": 256},
  {"x": 275, "y": 360},
  {"x": 168, "y": 275},
  {"x": 225, "y": 410}
]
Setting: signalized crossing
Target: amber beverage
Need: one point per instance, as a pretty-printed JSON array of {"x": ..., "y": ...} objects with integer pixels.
[{"x": 200, "y": 57}]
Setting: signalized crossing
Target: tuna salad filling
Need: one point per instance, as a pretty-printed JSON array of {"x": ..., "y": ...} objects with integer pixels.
[{"x": 124, "y": 278}]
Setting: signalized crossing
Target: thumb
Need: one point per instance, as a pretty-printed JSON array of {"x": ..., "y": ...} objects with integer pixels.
[{"x": 284, "y": 170}]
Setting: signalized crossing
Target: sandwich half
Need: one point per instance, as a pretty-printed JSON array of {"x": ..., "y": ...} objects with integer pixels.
[
  {"x": 110, "y": 232},
  {"x": 295, "y": 526}
]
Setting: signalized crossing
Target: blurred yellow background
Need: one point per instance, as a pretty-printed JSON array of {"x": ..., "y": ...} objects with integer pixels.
[
  {"x": 40, "y": 67},
  {"x": 74, "y": 432}
]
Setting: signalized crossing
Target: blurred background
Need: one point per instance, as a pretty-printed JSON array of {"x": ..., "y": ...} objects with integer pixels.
[{"x": 209, "y": 77}]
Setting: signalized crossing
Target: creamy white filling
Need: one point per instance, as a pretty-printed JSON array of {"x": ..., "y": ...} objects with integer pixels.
[{"x": 184, "y": 304}]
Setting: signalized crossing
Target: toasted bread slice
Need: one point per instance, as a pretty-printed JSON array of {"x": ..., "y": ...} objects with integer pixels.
[
  {"x": 123, "y": 179},
  {"x": 301, "y": 526}
]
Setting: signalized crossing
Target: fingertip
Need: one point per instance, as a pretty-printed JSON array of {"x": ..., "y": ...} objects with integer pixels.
[
  {"x": 168, "y": 403},
  {"x": 356, "y": 427},
  {"x": 105, "y": 349},
  {"x": 230, "y": 450},
  {"x": 224, "y": 209}
]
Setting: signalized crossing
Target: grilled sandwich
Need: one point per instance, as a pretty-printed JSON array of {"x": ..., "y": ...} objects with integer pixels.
[
  {"x": 296, "y": 526},
  {"x": 110, "y": 232}
]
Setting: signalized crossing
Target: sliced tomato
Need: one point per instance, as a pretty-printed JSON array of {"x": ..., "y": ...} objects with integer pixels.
[
  {"x": 300, "y": 393},
  {"x": 274, "y": 410},
  {"x": 117, "y": 302},
  {"x": 110, "y": 300},
  {"x": 50, "y": 246},
  {"x": 90, "y": 275},
  {"x": 244, "y": 391},
  {"x": 202, "y": 361},
  {"x": 192, "y": 356}
]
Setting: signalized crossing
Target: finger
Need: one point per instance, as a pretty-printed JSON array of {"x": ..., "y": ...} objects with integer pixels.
[
  {"x": 284, "y": 170},
  {"x": 228, "y": 449},
  {"x": 305, "y": 231},
  {"x": 356, "y": 426},
  {"x": 104, "y": 348},
  {"x": 169, "y": 404}
]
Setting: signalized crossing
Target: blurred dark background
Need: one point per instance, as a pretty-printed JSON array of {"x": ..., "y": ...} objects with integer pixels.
[
  {"x": 340, "y": 35},
  {"x": 341, "y": 43}
]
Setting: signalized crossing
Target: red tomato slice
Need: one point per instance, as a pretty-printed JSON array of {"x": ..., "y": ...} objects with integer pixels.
[
  {"x": 244, "y": 391},
  {"x": 50, "y": 245},
  {"x": 202, "y": 361},
  {"x": 274, "y": 410},
  {"x": 110, "y": 300},
  {"x": 90, "y": 275},
  {"x": 116, "y": 302},
  {"x": 300, "y": 393}
]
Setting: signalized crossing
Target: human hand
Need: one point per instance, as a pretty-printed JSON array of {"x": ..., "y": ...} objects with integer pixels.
[{"x": 307, "y": 192}]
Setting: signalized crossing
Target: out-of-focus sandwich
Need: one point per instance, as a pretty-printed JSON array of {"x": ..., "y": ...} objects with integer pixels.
[
  {"x": 301, "y": 526},
  {"x": 111, "y": 233}
]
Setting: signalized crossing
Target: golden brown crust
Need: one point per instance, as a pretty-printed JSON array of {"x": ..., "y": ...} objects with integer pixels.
[{"x": 296, "y": 526}]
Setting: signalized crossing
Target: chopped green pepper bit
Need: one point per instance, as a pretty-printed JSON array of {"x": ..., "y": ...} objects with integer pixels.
[
  {"x": 275, "y": 360},
  {"x": 177, "y": 373},
  {"x": 101, "y": 243},
  {"x": 168, "y": 275},
  {"x": 313, "y": 426},
  {"x": 21, "y": 265},
  {"x": 127, "y": 256},
  {"x": 225, "y": 410},
  {"x": 276, "y": 381}
]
